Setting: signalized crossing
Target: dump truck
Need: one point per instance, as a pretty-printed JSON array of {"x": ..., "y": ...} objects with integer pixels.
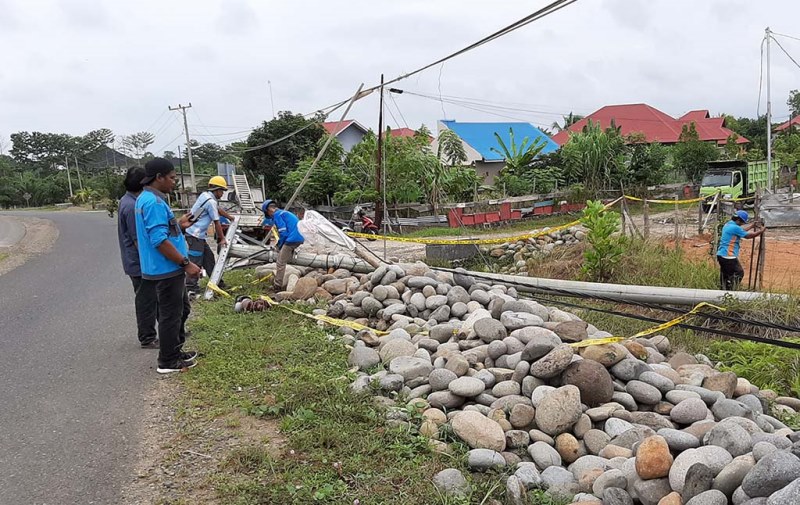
[{"x": 734, "y": 178}]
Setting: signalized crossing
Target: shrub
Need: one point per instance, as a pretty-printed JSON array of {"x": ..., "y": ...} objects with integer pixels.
[{"x": 605, "y": 249}]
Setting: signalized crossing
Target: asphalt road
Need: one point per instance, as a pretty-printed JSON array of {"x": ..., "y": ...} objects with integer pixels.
[
  {"x": 73, "y": 377},
  {"x": 11, "y": 231}
]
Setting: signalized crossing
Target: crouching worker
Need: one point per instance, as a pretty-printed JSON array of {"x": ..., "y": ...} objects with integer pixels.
[
  {"x": 163, "y": 256},
  {"x": 204, "y": 213},
  {"x": 289, "y": 239},
  {"x": 731, "y": 271}
]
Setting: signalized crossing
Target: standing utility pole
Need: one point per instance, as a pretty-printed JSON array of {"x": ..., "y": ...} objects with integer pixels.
[
  {"x": 769, "y": 117},
  {"x": 182, "y": 191},
  {"x": 69, "y": 178},
  {"x": 271, "y": 101},
  {"x": 379, "y": 165},
  {"x": 183, "y": 108}
]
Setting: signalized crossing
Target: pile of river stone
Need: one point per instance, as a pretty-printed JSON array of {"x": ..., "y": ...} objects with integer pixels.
[
  {"x": 615, "y": 423},
  {"x": 516, "y": 254}
]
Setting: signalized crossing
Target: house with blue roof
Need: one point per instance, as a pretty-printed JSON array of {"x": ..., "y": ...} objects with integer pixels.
[{"x": 479, "y": 139}]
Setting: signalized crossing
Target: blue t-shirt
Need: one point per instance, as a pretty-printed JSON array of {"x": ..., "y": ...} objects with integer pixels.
[
  {"x": 156, "y": 223},
  {"x": 126, "y": 232},
  {"x": 206, "y": 211},
  {"x": 732, "y": 233},
  {"x": 286, "y": 223}
]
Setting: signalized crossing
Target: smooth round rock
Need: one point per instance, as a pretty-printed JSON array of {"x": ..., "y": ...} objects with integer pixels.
[
  {"x": 592, "y": 380},
  {"x": 466, "y": 387},
  {"x": 689, "y": 411},
  {"x": 710, "y": 497},
  {"x": 653, "y": 458},
  {"x": 440, "y": 379},
  {"x": 478, "y": 431},
  {"x": 485, "y": 459},
  {"x": 679, "y": 441},
  {"x": 544, "y": 455},
  {"x": 771, "y": 473},
  {"x": 559, "y": 410},
  {"x": 451, "y": 482},
  {"x": 643, "y": 392}
]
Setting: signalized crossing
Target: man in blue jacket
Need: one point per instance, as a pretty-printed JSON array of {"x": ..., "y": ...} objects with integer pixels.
[
  {"x": 163, "y": 256},
  {"x": 731, "y": 271},
  {"x": 145, "y": 294},
  {"x": 289, "y": 239}
]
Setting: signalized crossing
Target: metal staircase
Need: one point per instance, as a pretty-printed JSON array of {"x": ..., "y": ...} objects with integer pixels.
[{"x": 242, "y": 188}]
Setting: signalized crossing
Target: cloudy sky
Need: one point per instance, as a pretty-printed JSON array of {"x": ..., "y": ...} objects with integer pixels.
[{"x": 77, "y": 65}]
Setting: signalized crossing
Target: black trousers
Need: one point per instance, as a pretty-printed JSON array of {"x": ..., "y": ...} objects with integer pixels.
[
  {"x": 173, "y": 310},
  {"x": 731, "y": 273},
  {"x": 146, "y": 309},
  {"x": 205, "y": 260}
]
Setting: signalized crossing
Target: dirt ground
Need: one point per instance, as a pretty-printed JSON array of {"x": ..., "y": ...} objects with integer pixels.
[
  {"x": 40, "y": 235},
  {"x": 181, "y": 451}
]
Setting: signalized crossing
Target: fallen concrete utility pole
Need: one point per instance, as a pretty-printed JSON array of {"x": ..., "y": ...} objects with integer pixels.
[
  {"x": 303, "y": 259},
  {"x": 619, "y": 292}
]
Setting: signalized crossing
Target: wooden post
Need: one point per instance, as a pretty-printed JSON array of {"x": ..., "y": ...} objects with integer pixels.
[
  {"x": 622, "y": 215},
  {"x": 646, "y": 216},
  {"x": 700, "y": 217},
  {"x": 676, "y": 221}
]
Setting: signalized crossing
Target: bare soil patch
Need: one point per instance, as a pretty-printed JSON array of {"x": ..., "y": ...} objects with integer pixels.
[{"x": 40, "y": 235}]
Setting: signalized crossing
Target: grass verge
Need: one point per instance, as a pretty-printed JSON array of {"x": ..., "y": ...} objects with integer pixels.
[{"x": 279, "y": 369}]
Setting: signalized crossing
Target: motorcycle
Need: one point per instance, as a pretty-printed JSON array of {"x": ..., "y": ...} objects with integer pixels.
[
  {"x": 367, "y": 224},
  {"x": 359, "y": 223}
]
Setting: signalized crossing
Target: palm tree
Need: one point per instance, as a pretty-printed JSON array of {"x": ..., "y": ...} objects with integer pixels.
[
  {"x": 569, "y": 120},
  {"x": 518, "y": 157}
]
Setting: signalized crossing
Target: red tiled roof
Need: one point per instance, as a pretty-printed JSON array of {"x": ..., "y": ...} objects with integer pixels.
[
  {"x": 405, "y": 132},
  {"x": 795, "y": 121},
  {"x": 654, "y": 124},
  {"x": 333, "y": 126}
]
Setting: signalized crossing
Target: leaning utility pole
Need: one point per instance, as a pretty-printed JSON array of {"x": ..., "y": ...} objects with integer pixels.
[
  {"x": 183, "y": 108},
  {"x": 69, "y": 178},
  {"x": 768, "y": 36},
  {"x": 379, "y": 166},
  {"x": 78, "y": 169}
]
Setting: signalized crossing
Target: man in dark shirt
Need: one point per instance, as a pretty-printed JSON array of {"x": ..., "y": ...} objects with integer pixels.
[{"x": 146, "y": 299}]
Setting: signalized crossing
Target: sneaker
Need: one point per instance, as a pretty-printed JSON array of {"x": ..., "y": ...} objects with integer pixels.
[
  {"x": 153, "y": 344},
  {"x": 178, "y": 365},
  {"x": 188, "y": 356}
]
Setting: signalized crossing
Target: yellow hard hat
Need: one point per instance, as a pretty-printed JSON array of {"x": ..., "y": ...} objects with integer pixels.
[{"x": 217, "y": 182}]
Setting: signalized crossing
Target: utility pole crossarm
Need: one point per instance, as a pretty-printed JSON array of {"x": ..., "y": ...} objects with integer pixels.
[{"x": 182, "y": 109}]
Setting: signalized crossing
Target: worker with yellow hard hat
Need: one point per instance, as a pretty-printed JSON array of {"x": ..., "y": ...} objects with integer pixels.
[{"x": 204, "y": 213}]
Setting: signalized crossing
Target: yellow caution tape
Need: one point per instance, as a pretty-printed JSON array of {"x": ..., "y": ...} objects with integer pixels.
[
  {"x": 485, "y": 241},
  {"x": 263, "y": 279},
  {"x": 597, "y": 341},
  {"x": 325, "y": 319},
  {"x": 649, "y": 331},
  {"x": 679, "y": 202},
  {"x": 213, "y": 287}
]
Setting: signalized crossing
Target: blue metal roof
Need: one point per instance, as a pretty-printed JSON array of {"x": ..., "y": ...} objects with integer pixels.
[{"x": 480, "y": 136}]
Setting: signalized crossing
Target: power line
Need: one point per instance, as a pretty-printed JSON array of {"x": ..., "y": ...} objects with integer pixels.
[
  {"x": 787, "y": 36},
  {"x": 786, "y": 53},
  {"x": 391, "y": 97}
]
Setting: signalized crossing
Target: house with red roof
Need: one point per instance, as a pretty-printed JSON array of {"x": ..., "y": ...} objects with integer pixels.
[
  {"x": 656, "y": 126},
  {"x": 350, "y": 132},
  {"x": 792, "y": 124}
]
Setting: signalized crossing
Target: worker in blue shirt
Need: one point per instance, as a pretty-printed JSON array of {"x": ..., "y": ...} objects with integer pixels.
[
  {"x": 163, "y": 256},
  {"x": 204, "y": 213},
  {"x": 267, "y": 223},
  {"x": 731, "y": 271},
  {"x": 289, "y": 239},
  {"x": 145, "y": 295}
]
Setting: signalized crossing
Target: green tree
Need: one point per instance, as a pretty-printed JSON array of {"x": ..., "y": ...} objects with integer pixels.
[
  {"x": 451, "y": 149},
  {"x": 691, "y": 155},
  {"x": 731, "y": 150},
  {"x": 647, "y": 164},
  {"x": 327, "y": 178},
  {"x": 208, "y": 153},
  {"x": 136, "y": 144},
  {"x": 41, "y": 151},
  {"x": 568, "y": 121},
  {"x": 794, "y": 102},
  {"x": 787, "y": 149},
  {"x": 595, "y": 157},
  {"x": 274, "y": 161},
  {"x": 605, "y": 248}
]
